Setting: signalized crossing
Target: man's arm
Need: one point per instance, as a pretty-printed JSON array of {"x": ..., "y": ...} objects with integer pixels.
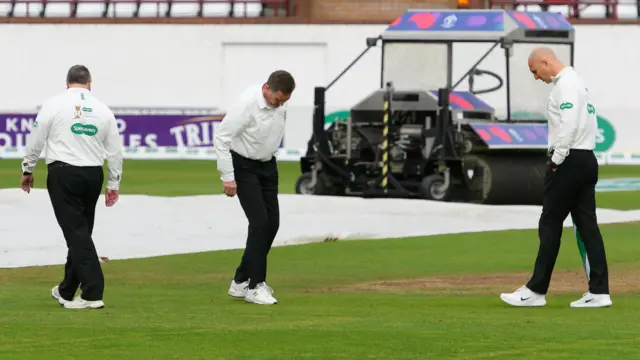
[
  {"x": 113, "y": 150},
  {"x": 236, "y": 119},
  {"x": 37, "y": 138},
  {"x": 277, "y": 152},
  {"x": 570, "y": 107}
]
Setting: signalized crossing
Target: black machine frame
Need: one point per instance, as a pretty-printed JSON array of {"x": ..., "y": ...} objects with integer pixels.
[
  {"x": 504, "y": 43},
  {"x": 319, "y": 155}
]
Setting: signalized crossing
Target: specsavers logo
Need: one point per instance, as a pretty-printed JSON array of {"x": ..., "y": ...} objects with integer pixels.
[
  {"x": 330, "y": 118},
  {"x": 606, "y": 136},
  {"x": 566, "y": 106},
  {"x": 82, "y": 129}
]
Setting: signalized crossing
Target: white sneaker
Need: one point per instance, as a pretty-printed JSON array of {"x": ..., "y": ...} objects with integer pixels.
[
  {"x": 523, "y": 297},
  {"x": 238, "y": 290},
  {"x": 80, "y": 303},
  {"x": 590, "y": 300},
  {"x": 262, "y": 295},
  {"x": 55, "y": 293}
]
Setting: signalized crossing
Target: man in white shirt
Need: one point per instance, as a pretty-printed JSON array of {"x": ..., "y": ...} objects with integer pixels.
[
  {"x": 246, "y": 143},
  {"x": 570, "y": 182},
  {"x": 77, "y": 130}
]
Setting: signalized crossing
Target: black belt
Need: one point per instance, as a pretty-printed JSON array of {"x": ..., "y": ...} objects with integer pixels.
[
  {"x": 551, "y": 151},
  {"x": 233, "y": 153},
  {"x": 57, "y": 164}
]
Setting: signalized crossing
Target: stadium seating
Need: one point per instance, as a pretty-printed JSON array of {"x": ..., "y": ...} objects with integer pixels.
[
  {"x": 577, "y": 9},
  {"x": 143, "y": 8}
]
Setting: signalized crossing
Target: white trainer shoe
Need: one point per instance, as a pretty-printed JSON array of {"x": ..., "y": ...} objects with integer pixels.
[
  {"x": 524, "y": 297},
  {"x": 238, "y": 290},
  {"x": 55, "y": 293},
  {"x": 262, "y": 295},
  {"x": 590, "y": 300},
  {"x": 80, "y": 303}
]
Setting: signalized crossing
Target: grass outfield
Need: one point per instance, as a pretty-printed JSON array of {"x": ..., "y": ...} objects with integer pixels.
[
  {"x": 419, "y": 298},
  {"x": 197, "y": 177}
]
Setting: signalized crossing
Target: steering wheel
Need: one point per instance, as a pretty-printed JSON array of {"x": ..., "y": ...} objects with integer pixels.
[{"x": 479, "y": 72}]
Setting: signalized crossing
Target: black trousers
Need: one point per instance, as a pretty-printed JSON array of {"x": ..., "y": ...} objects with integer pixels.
[
  {"x": 570, "y": 190},
  {"x": 257, "y": 191},
  {"x": 74, "y": 192}
]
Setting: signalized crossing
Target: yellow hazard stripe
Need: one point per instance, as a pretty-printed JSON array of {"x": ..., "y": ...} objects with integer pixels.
[{"x": 385, "y": 146}]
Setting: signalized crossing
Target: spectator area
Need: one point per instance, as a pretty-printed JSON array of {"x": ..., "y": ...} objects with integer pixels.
[
  {"x": 573, "y": 9},
  {"x": 583, "y": 9},
  {"x": 143, "y": 8}
]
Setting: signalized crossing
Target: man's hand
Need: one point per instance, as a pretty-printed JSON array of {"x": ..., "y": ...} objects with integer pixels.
[
  {"x": 229, "y": 188},
  {"x": 111, "y": 197},
  {"x": 26, "y": 183}
]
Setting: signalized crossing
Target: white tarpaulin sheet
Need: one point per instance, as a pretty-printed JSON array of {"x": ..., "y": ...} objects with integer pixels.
[{"x": 144, "y": 226}]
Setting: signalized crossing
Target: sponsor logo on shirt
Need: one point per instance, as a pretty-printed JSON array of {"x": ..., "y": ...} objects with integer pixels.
[
  {"x": 83, "y": 129},
  {"x": 566, "y": 105},
  {"x": 77, "y": 113}
]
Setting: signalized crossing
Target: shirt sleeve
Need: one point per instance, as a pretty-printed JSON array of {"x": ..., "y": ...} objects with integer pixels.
[
  {"x": 38, "y": 137},
  {"x": 277, "y": 152},
  {"x": 236, "y": 119},
  {"x": 113, "y": 151},
  {"x": 569, "y": 107}
]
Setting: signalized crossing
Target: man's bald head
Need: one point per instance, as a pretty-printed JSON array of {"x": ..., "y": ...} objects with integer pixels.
[
  {"x": 543, "y": 53},
  {"x": 544, "y": 64}
]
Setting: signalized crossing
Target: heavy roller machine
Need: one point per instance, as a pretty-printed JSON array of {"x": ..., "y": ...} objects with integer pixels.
[{"x": 422, "y": 135}]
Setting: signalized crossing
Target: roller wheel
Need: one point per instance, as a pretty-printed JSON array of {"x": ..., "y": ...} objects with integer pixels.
[
  {"x": 303, "y": 185},
  {"x": 511, "y": 179},
  {"x": 432, "y": 188},
  {"x": 328, "y": 186}
]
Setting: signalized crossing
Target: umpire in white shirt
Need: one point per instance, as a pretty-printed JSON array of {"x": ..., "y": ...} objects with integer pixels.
[
  {"x": 77, "y": 130},
  {"x": 570, "y": 181},
  {"x": 246, "y": 143}
]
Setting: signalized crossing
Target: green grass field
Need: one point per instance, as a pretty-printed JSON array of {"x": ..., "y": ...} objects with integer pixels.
[
  {"x": 419, "y": 298},
  {"x": 197, "y": 177}
]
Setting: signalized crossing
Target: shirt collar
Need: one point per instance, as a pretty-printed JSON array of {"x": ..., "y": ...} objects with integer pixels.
[
  {"x": 77, "y": 89},
  {"x": 559, "y": 75},
  {"x": 262, "y": 102}
]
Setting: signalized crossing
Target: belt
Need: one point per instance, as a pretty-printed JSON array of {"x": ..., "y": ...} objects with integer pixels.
[
  {"x": 551, "y": 151},
  {"x": 233, "y": 153},
  {"x": 57, "y": 164}
]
